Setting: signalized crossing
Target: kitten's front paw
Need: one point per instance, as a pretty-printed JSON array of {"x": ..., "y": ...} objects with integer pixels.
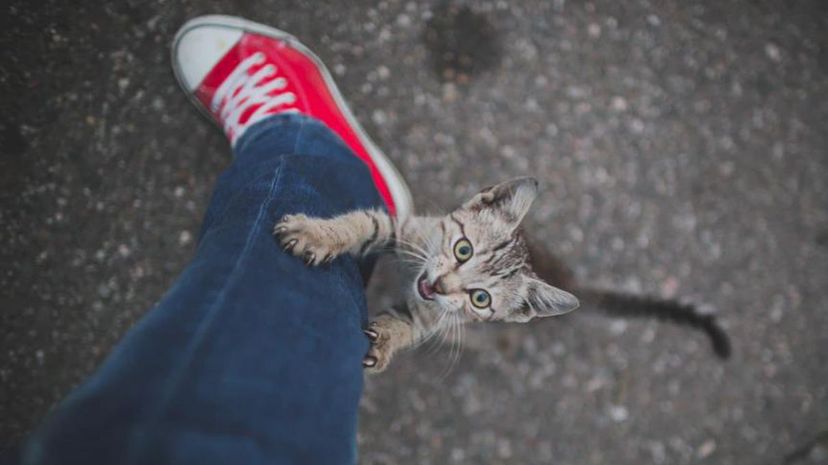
[
  {"x": 305, "y": 238},
  {"x": 382, "y": 348}
]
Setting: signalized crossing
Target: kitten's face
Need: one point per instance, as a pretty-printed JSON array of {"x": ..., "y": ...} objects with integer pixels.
[{"x": 477, "y": 261}]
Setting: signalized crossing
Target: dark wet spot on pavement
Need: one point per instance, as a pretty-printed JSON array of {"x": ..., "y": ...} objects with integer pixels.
[{"x": 462, "y": 43}]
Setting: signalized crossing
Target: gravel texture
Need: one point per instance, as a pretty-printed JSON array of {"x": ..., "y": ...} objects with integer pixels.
[{"x": 683, "y": 151}]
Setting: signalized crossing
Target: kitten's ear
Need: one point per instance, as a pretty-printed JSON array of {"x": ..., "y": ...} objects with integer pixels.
[
  {"x": 542, "y": 300},
  {"x": 513, "y": 198}
]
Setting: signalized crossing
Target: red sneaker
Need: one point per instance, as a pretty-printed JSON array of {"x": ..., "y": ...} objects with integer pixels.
[{"x": 239, "y": 72}]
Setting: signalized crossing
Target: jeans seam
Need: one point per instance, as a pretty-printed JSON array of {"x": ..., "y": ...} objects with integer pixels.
[
  {"x": 261, "y": 130},
  {"x": 204, "y": 327},
  {"x": 299, "y": 134},
  {"x": 219, "y": 216}
]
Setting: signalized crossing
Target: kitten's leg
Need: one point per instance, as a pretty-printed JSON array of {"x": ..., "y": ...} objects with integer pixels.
[
  {"x": 394, "y": 329},
  {"x": 387, "y": 336},
  {"x": 320, "y": 240}
]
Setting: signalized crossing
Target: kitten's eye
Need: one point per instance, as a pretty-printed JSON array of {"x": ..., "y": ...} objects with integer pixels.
[
  {"x": 463, "y": 250},
  {"x": 480, "y": 298}
]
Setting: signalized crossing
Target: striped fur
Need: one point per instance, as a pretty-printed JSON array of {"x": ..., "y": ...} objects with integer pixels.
[
  {"x": 320, "y": 240},
  {"x": 499, "y": 266}
]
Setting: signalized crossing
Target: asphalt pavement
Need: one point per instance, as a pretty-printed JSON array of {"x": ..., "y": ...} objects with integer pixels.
[{"x": 682, "y": 148}]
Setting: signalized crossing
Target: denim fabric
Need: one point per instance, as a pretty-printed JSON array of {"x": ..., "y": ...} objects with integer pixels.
[{"x": 251, "y": 357}]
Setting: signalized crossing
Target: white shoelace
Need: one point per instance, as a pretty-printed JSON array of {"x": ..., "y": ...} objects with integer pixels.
[{"x": 243, "y": 90}]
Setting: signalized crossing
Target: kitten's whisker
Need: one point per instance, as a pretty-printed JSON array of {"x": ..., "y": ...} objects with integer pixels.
[
  {"x": 411, "y": 266},
  {"x": 461, "y": 338},
  {"x": 411, "y": 259},
  {"x": 447, "y": 368},
  {"x": 410, "y": 245},
  {"x": 445, "y": 330},
  {"x": 428, "y": 338},
  {"x": 433, "y": 332},
  {"x": 411, "y": 254},
  {"x": 428, "y": 240},
  {"x": 442, "y": 330},
  {"x": 450, "y": 336},
  {"x": 414, "y": 247},
  {"x": 456, "y": 343}
]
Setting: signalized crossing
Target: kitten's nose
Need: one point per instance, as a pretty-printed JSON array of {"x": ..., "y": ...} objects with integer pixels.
[
  {"x": 446, "y": 284},
  {"x": 439, "y": 285}
]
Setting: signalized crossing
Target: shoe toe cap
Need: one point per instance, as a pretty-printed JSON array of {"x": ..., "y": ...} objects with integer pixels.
[{"x": 198, "y": 49}]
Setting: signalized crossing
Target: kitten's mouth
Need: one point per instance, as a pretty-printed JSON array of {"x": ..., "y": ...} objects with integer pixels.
[{"x": 424, "y": 288}]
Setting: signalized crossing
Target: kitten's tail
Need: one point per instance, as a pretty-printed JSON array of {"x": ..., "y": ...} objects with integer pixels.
[
  {"x": 628, "y": 305},
  {"x": 621, "y": 304}
]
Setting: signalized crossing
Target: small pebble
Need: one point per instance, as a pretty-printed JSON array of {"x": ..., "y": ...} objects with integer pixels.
[
  {"x": 185, "y": 237},
  {"x": 706, "y": 448}
]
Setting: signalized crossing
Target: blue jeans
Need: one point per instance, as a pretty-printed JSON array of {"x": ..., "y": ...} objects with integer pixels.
[{"x": 251, "y": 357}]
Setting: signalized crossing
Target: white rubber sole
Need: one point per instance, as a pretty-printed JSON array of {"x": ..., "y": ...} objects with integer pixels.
[{"x": 393, "y": 179}]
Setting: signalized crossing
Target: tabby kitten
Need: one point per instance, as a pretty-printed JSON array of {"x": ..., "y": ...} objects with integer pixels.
[
  {"x": 470, "y": 265},
  {"x": 473, "y": 264}
]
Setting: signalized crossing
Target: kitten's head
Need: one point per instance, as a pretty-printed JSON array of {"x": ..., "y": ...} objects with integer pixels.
[{"x": 477, "y": 260}]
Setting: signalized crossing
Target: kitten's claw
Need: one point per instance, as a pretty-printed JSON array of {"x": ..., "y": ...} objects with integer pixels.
[
  {"x": 383, "y": 345},
  {"x": 290, "y": 245},
  {"x": 307, "y": 238},
  {"x": 372, "y": 335}
]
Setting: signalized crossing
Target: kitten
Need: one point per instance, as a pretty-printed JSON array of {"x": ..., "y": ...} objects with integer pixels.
[{"x": 470, "y": 265}]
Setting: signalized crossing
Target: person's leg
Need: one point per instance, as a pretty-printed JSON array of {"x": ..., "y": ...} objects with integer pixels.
[{"x": 251, "y": 357}]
